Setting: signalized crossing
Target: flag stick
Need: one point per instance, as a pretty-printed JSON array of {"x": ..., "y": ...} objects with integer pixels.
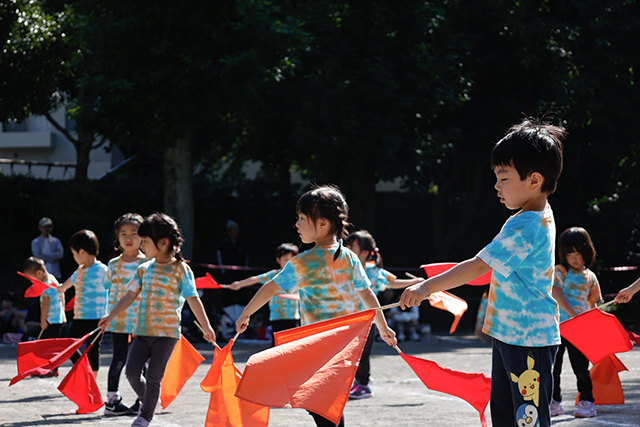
[
  {"x": 94, "y": 331},
  {"x": 398, "y": 349},
  {"x": 384, "y": 307},
  {"x": 97, "y": 336},
  {"x": 606, "y": 304},
  {"x": 40, "y": 334},
  {"x": 236, "y": 337},
  {"x": 410, "y": 275}
]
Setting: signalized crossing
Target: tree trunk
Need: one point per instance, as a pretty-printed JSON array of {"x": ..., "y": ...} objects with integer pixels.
[
  {"x": 83, "y": 150},
  {"x": 178, "y": 189}
]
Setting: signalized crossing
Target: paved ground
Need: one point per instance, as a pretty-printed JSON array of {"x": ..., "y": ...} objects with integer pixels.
[{"x": 400, "y": 397}]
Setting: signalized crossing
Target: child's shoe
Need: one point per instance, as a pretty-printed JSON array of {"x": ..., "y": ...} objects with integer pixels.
[
  {"x": 360, "y": 392},
  {"x": 115, "y": 408},
  {"x": 555, "y": 408},
  {"x": 135, "y": 408},
  {"x": 585, "y": 409},
  {"x": 140, "y": 422}
]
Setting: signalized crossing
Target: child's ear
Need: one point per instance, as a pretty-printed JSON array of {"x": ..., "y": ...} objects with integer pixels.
[
  {"x": 535, "y": 180},
  {"x": 323, "y": 222}
]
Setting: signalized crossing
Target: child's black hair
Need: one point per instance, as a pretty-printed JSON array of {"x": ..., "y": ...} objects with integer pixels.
[
  {"x": 576, "y": 239},
  {"x": 128, "y": 218},
  {"x": 326, "y": 201},
  {"x": 287, "y": 248},
  {"x": 33, "y": 264},
  {"x": 160, "y": 226},
  {"x": 367, "y": 243},
  {"x": 85, "y": 239},
  {"x": 532, "y": 146}
]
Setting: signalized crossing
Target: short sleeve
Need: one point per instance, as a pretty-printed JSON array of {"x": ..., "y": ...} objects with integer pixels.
[
  {"x": 510, "y": 247},
  {"x": 135, "y": 284},
  {"x": 559, "y": 275},
  {"x": 187, "y": 283}
]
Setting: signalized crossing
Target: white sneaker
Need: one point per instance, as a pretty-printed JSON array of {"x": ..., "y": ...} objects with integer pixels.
[
  {"x": 585, "y": 409},
  {"x": 555, "y": 408}
]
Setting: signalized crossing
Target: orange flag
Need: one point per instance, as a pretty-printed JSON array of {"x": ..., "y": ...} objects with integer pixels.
[
  {"x": 473, "y": 388},
  {"x": 184, "y": 361},
  {"x": 607, "y": 388},
  {"x": 225, "y": 409},
  {"x": 80, "y": 386},
  {"x": 451, "y": 303},
  {"x": 311, "y": 367},
  {"x": 441, "y": 267},
  {"x": 606, "y": 335}
]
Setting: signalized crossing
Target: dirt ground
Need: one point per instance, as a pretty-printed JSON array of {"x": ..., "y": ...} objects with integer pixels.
[{"x": 400, "y": 399}]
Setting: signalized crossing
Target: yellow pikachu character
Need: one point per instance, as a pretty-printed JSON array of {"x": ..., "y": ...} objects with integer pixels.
[{"x": 528, "y": 382}]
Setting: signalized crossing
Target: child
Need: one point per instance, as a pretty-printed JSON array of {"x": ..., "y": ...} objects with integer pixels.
[
  {"x": 52, "y": 315},
  {"x": 120, "y": 272},
  {"x": 364, "y": 246},
  {"x": 91, "y": 296},
  {"x": 577, "y": 290},
  {"x": 163, "y": 283},
  {"x": 522, "y": 316},
  {"x": 284, "y": 313},
  {"x": 328, "y": 276}
]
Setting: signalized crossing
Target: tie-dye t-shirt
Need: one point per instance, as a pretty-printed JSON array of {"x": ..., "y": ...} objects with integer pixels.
[
  {"x": 578, "y": 287},
  {"x": 116, "y": 281},
  {"x": 162, "y": 290},
  {"x": 56, "y": 314},
  {"x": 379, "y": 278},
  {"x": 327, "y": 288},
  {"x": 280, "y": 308},
  {"x": 91, "y": 295},
  {"x": 520, "y": 309}
]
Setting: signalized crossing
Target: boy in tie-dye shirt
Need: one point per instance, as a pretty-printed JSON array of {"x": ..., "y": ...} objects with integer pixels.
[
  {"x": 284, "y": 308},
  {"x": 522, "y": 316},
  {"x": 91, "y": 295}
]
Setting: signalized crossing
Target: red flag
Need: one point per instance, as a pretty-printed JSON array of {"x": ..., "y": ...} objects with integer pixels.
[
  {"x": 80, "y": 386},
  {"x": 207, "y": 282},
  {"x": 606, "y": 335},
  {"x": 37, "y": 286},
  {"x": 295, "y": 297},
  {"x": 451, "y": 303},
  {"x": 183, "y": 363},
  {"x": 607, "y": 389},
  {"x": 70, "y": 304},
  {"x": 634, "y": 337},
  {"x": 311, "y": 367},
  {"x": 41, "y": 356},
  {"x": 440, "y": 267},
  {"x": 225, "y": 409},
  {"x": 474, "y": 388}
]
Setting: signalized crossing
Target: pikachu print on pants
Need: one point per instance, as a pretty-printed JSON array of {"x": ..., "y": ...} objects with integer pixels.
[{"x": 528, "y": 382}]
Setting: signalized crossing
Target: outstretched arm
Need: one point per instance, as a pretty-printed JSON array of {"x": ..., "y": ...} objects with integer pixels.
[
  {"x": 403, "y": 283},
  {"x": 460, "y": 274},
  {"x": 627, "y": 293},
  {"x": 239, "y": 284},
  {"x": 264, "y": 294}
]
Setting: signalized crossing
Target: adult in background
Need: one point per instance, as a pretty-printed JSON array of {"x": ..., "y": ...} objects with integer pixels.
[
  {"x": 232, "y": 251},
  {"x": 48, "y": 248}
]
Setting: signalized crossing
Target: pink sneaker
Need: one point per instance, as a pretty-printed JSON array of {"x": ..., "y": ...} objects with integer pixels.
[
  {"x": 555, "y": 408},
  {"x": 585, "y": 409}
]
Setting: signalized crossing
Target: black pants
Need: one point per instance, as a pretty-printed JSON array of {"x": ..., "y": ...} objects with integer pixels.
[
  {"x": 78, "y": 329},
  {"x": 521, "y": 384},
  {"x": 580, "y": 365},
  {"x": 52, "y": 331},
  {"x": 120, "y": 352},
  {"x": 364, "y": 367},
  {"x": 282, "y": 325},
  {"x": 323, "y": 422}
]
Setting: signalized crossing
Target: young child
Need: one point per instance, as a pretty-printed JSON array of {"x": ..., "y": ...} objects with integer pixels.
[
  {"x": 522, "y": 316},
  {"x": 328, "y": 277},
  {"x": 163, "y": 283},
  {"x": 576, "y": 289},
  {"x": 120, "y": 271},
  {"x": 284, "y": 313},
  {"x": 364, "y": 246},
  {"x": 91, "y": 295},
  {"x": 52, "y": 315}
]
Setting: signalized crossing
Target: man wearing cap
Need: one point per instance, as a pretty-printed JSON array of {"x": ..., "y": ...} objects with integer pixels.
[{"x": 48, "y": 248}]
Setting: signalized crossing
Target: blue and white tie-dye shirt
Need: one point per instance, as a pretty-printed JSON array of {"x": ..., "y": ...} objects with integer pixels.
[
  {"x": 520, "y": 309},
  {"x": 280, "y": 308},
  {"x": 578, "y": 287},
  {"x": 327, "y": 288},
  {"x": 55, "y": 315},
  {"x": 91, "y": 295},
  {"x": 380, "y": 279}
]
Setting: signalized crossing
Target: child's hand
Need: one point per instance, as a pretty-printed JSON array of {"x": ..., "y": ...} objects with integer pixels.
[
  {"x": 388, "y": 336},
  {"x": 104, "y": 322},
  {"x": 208, "y": 333},
  {"x": 60, "y": 289},
  {"x": 44, "y": 324},
  {"x": 414, "y": 295},
  {"x": 242, "y": 323},
  {"x": 235, "y": 286},
  {"x": 624, "y": 295}
]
